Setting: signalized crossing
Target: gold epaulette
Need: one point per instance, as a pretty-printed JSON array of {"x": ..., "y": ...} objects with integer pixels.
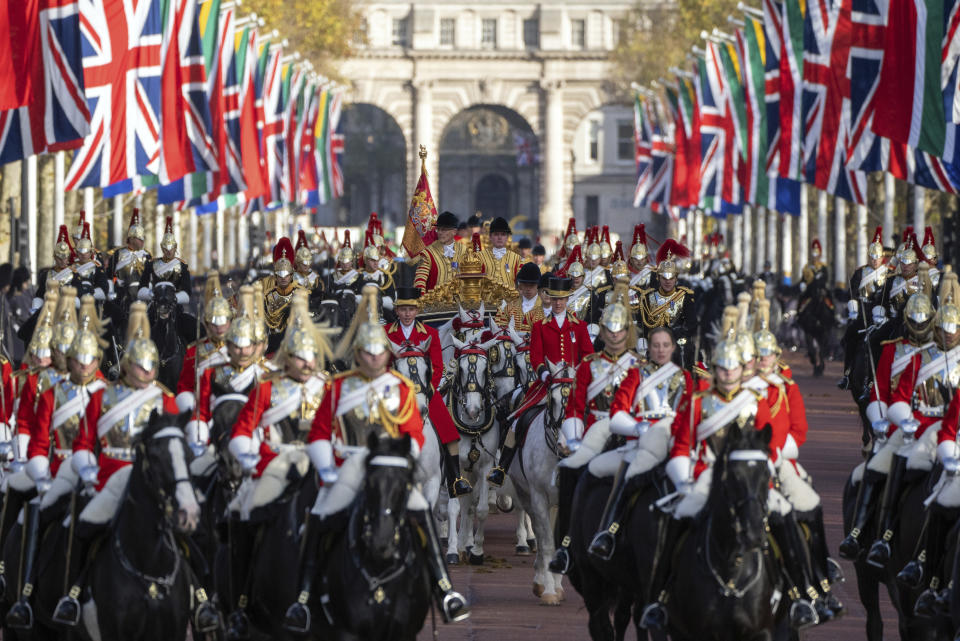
[
  {"x": 591, "y": 357},
  {"x": 892, "y": 340},
  {"x": 573, "y": 318},
  {"x": 758, "y": 394},
  {"x": 700, "y": 371},
  {"x": 418, "y": 326},
  {"x": 684, "y": 289},
  {"x": 163, "y": 388},
  {"x": 349, "y": 372}
]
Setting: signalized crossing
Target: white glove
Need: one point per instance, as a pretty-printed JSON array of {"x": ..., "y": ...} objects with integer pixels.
[
  {"x": 84, "y": 463},
  {"x": 852, "y": 309},
  {"x": 186, "y": 401},
  {"x": 544, "y": 375},
  {"x": 790, "y": 450},
  {"x": 678, "y": 470},
  {"x": 898, "y": 412},
  {"x": 948, "y": 450},
  {"x": 242, "y": 449},
  {"x": 197, "y": 432},
  {"x": 98, "y": 294},
  {"x": 387, "y": 303},
  {"x": 23, "y": 442},
  {"x": 145, "y": 294},
  {"x": 879, "y": 314},
  {"x": 38, "y": 468},
  {"x": 183, "y": 298}
]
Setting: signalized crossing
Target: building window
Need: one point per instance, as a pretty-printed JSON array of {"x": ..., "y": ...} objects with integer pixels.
[
  {"x": 594, "y": 152},
  {"x": 578, "y": 33},
  {"x": 400, "y": 32},
  {"x": 531, "y": 33},
  {"x": 593, "y": 211},
  {"x": 625, "y": 147},
  {"x": 448, "y": 32},
  {"x": 488, "y": 33}
]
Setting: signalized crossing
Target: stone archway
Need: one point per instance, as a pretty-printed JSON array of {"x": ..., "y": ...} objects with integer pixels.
[
  {"x": 489, "y": 161},
  {"x": 374, "y": 166}
]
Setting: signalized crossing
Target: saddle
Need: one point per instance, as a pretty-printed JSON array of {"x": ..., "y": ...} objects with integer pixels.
[{"x": 524, "y": 422}]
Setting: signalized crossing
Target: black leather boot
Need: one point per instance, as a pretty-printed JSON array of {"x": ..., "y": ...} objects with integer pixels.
[
  {"x": 499, "y": 473},
  {"x": 20, "y": 615},
  {"x": 452, "y": 605},
  {"x": 297, "y": 618},
  {"x": 566, "y": 488},
  {"x": 655, "y": 613},
  {"x": 67, "y": 611},
  {"x": 456, "y": 484},
  {"x": 803, "y": 612},
  {"x": 912, "y": 574},
  {"x": 821, "y": 564},
  {"x": 879, "y": 552},
  {"x": 241, "y": 544},
  {"x": 866, "y": 496},
  {"x": 604, "y": 542},
  {"x": 935, "y": 535}
]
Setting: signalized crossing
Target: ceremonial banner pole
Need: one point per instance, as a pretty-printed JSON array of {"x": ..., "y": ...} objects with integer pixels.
[
  {"x": 861, "y": 231},
  {"x": 803, "y": 233},
  {"x": 736, "y": 222},
  {"x": 840, "y": 241},
  {"x": 761, "y": 234},
  {"x": 29, "y": 208},
  {"x": 116, "y": 235},
  {"x": 59, "y": 172},
  {"x": 88, "y": 205},
  {"x": 889, "y": 194}
]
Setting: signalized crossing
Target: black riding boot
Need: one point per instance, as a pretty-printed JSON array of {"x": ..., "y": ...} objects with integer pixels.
[
  {"x": 499, "y": 473},
  {"x": 20, "y": 615},
  {"x": 241, "y": 544},
  {"x": 604, "y": 542},
  {"x": 456, "y": 484},
  {"x": 912, "y": 574},
  {"x": 12, "y": 502},
  {"x": 879, "y": 552},
  {"x": 566, "y": 487},
  {"x": 67, "y": 612},
  {"x": 803, "y": 612},
  {"x": 452, "y": 605},
  {"x": 869, "y": 486},
  {"x": 655, "y": 613},
  {"x": 934, "y": 544},
  {"x": 206, "y": 618},
  {"x": 826, "y": 571},
  {"x": 297, "y": 618}
]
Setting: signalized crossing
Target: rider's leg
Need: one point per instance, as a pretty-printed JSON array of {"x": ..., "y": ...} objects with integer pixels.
[
  {"x": 499, "y": 473},
  {"x": 935, "y": 538},
  {"x": 603, "y": 544},
  {"x": 668, "y": 537},
  {"x": 820, "y": 562},
  {"x": 566, "y": 487},
  {"x": 242, "y": 536},
  {"x": 297, "y": 618},
  {"x": 205, "y": 617},
  {"x": 871, "y": 485},
  {"x": 788, "y": 537},
  {"x": 20, "y": 614},
  {"x": 456, "y": 484},
  {"x": 913, "y": 572},
  {"x": 879, "y": 552},
  {"x": 453, "y": 606},
  {"x": 850, "y": 344}
]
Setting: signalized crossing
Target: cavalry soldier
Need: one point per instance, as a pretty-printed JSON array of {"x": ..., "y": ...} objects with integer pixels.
[
  {"x": 373, "y": 274},
  {"x": 866, "y": 284},
  {"x": 926, "y": 568},
  {"x": 904, "y": 284},
  {"x": 128, "y": 263},
  {"x": 168, "y": 269},
  {"x": 580, "y": 301},
  {"x": 816, "y": 275},
  {"x": 408, "y": 330},
  {"x": 60, "y": 410},
  {"x": 62, "y": 271},
  {"x": 499, "y": 263},
  {"x": 114, "y": 417},
  {"x": 596, "y": 274},
  {"x": 386, "y": 255},
  {"x": 570, "y": 240},
  {"x": 440, "y": 260},
  {"x": 91, "y": 277},
  {"x": 234, "y": 379},
  {"x": 345, "y": 274},
  {"x": 278, "y": 288},
  {"x": 606, "y": 248},
  {"x": 561, "y": 337},
  {"x": 267, "y": 440},
  {"x": 598, "y": 377},
  {"x": 369, "y": 399},
  {"x": 640, "y": 269},
  {"x": 897, "y": 355},
  {"x": 928, "y": 253},
  {"x": 670, "y": 304},
  {"x": 712, "y": 413},
  {"x": 303, "y": 267},
  {"x": 210, "y": 350}
]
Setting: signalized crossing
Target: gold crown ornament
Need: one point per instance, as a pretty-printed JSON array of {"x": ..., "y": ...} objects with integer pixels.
[{"x": 140, "y": 349}]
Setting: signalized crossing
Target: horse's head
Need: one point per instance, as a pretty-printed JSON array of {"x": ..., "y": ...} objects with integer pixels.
[
  {"x": 387, "y": 487},
  {"x": 164, "y": 304},
  {"x": 164, "y": 461},
  {"x": 413, "y": 361},
  {"x": 501, "y": 354},
  {"x": 471, "y": 383},
  {"x": 741, "y": 483},
  {"x": 562, "y": 377}
]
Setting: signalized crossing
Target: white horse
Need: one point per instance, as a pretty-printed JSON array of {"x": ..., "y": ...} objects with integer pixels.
[
  {"x": 413, "y": 361},
  {"x": 533, "y": 475},
  {"x": 474, "y": 417}
]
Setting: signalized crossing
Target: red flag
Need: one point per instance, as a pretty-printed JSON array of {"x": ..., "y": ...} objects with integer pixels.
[
  {"x": 422, "y": 215},
  {"x": 19, "y": 52}
]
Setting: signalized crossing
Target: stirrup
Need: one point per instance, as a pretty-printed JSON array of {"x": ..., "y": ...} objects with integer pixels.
[
  {"x": 911, "y": 575},
  {"x": 297, "y": 618},
  {"x": 497, "y": 476},
  {"x": 459, "y": 487},
  {"x": 834, "y": 572},
  {"x": 67, "y": 611},
  {"x": 454, "y": 607},
  {"x": 20, "y": 616},
  {"x": 850, "y": 547},
  {"x": 654, "y": 617},
  {"x": 803, "y": 615},
  {"x": 561, "y": 561},
  {"x": 879, "y": 554},
  {"x": 206, "y": 611},
  {"x": 604, "y": 545},
  {"x": 238, "y": 626}
]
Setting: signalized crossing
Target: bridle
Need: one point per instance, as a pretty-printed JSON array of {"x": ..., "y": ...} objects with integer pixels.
[
  {"x": 552, "y": 423},
  {"x": 473, "y": 353}
]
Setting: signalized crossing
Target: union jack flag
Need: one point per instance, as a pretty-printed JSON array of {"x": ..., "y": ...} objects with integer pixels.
[
  {"x": 58, "y": 117},
  {"x": 826, "y": 45},
  {"x": 642, "y": 151},
  {"x": 121, "y": 70},
  {"x": 333, "y": 147},
  {"x": 661, "y": 165},
  {"x": 717, "y": 144},
  {"x": 272, "y": 128}
]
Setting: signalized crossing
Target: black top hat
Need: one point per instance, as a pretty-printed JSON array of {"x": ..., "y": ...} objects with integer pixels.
[
  {"x": 529, "y": 273},
  {"x": 447, "y": 220},
  {"x": 407, "y": 296},
  {"x": 545, "y": 280},
  {"x": 559, "y": 287},
  {"x": 500, "y": 224},
  {"x": 524, "y": 243},
  {"x": 539, "y": 250},
  {"x": 473, "y": 221}
]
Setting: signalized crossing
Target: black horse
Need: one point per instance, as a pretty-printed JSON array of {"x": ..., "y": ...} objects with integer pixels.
[
  {"x": 377, "y": 584},
  {"x": 724, "y": 565},
  {"x": 138, "y": 583},
  {"x": 816, "y": 316},
  {"x": 172, "y": 331}
]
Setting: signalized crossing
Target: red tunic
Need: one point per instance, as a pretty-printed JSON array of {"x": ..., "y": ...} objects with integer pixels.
[
  {"x": 437, "y": 409},
  {"x": 904, "y": 394},
  {"x": 623, "y": 400},
  {"x": 948, "y": 431},
  {"x": 249, "y": 419},
  {"x": 882, "y": 391},
  {"x": 579, "y": 407},
  {"x": 187, "y": 381},
  {"x": 40, "y": 429},
  {"x": 9, "y": 391},
  {"x": 28, "y": 399},
  {"x": 569, "y": 343}
]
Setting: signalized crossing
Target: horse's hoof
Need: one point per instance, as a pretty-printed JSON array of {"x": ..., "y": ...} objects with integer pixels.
[
  {"x": 532, "y": 543},
  {"x": 522, "y": 550},
  {"x": 453, "y": 559},
  {"x": 504, "y": 503},
  {"x": 464, "y": 556},
  {"x": 476, "y": 559},
  {"x": 550, "y": 599},
  {"x": 561, "y": 594},
  {"x": 538, "y": 590}
]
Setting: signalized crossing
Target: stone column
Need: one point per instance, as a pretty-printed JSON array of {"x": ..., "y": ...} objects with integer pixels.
[
  {"x": 786, "y": 251},
  {"x": 207, "y": 241},
  {"x": 772, "y": 239},
  {"x": 889, "y": 196},
  {"x": 698, "y": 234},
  {"x": 116, "y": 234},
  {"x": 161, "y": 221},
  {"x": 88, "y": 206},
  {"x": 243, "y": 233},
  {"x": 861, "y": 232},
  {"x": 28, "y": 213},
  {"x": 423, "y": 131},
  {"x": 761, "y": 237},
  {"x": 736, "y": 253},
  {"x": 194, "y": 260},
  {"x": 840, "y": 242},
  {"x": 551, "y": 212},
  {"x": 59, "y": 171},
  {"x": 919, "y": 213},
  {"x": 822, "y": 224},
  {"x": 749, "y": 266},
  {"x": 803, "y": 233},
  {"x": 219, "y": 228}
]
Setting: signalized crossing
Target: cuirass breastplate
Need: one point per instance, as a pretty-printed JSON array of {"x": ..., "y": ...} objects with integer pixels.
[
  {"x": 294, "y": 426},
  {"x": 308, "y": 280},
  {"x": 67, "y": 431},
  {"x": 665, "y": 396},
  {"x": 364, "y": 419},
  {"x": 938, "y": 389},
  {"x": 598, "y": 369},
  {"x": 672, "y": 304},
  {"x": 710, "y": 404},
  {"x": 133, "y": 270},
  {"x": 123, "y": 432},
  {"x": 87, "y": 271},
  {"x": 580, "y": 304},
  {"x": 171, "y": 275},
  {"x": 47, "y": 378}
]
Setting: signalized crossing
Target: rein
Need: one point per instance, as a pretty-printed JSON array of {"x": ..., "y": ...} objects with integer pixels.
[{"x": 472, "y": 385}]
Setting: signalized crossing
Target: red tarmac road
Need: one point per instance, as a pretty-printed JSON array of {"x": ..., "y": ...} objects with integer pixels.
[{"x": 504, "y": 608}]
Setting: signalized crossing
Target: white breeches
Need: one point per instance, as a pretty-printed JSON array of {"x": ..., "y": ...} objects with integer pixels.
[
  {"x": 349, "y": 481},
  {"x": 921, "y": 453},
  {"x": 591, "y": 446},
  {"x": 606, "y": 465},
  {"x": 63, "y": 483},
  {"x": 883, "y": 459},
  {"x": 254, "y": 493},
  {"x": 946, "y": 493},
  {"x": 691, "y": 504},
  {"x": 102, "y": 507},
  {"x": 19, "y": 481},
  {"x": 796, "y": 490},
  {"x": 205, "y": 464},
  {"x": 652, "y": 449}
]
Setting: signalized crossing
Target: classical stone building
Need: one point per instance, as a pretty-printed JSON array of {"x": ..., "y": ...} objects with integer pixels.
[{"x": 511, "y": 99}]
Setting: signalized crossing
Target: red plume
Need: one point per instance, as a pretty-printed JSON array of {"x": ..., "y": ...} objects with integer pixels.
[
  {"x": 477, "y": 244},
  {"x": 368, "y": 238},
  {"x": 168, "y": 225},
  {"x": 301, "y": 239},
  {"x": 618, "y": 252},
  {"x": 673, "y": 248},
  {"x": 907, "y": 233},
  {"x": 283, "y": 248},
  {"x": 605, "y": 238},
  {"x": 928, "y": 237},
  {"x": 571, "y": 227},
  {"x": 135, "y": 217},
  {"x": 574, "y": 257},
  {"x": 878, "y": 235},
  {"x": 86, "y": 231},
  {"x": 346, "y": 238}
]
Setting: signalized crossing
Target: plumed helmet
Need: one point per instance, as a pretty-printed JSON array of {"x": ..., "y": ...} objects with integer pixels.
[
  {"x": 667, "y": 257},
  {"x": 574, "y": 265},
  {"x": 594, "y": 251},
  {"x": 726, "y": 353},
  {"x": 43, "y": 333},
  {"x": 140, "y": 349},
  {"x": 216, "y": 309},
  {"x": 876, "y": 245},
  {"x": 948, "y": 316},
  {"x": 763, "y": 339},
  {"x": 815, "y": 249},
  {"x": 365, "y": 332},
  {"x": 638, "y": 250},
  {"x": 606, "y": 249},
  {"x": 169, "y": 240},
  {"x": 242, "y": 332},
  {"x": 63, "y": 249},
  {"x": 303, "y": 255},
  {"x": 910, "y": 251},
  {"x": 929, "y": 247},
  {"x": 571, "y": 239},
  {"x": 617, "y": 314},
  {"x": 84, "y": 244},
  {"x": 135, "y": 230},
  {"x": 87, "y": 346},
  {"x": 77, "y": 231},
  {"x": 283, "y": 258},
  {"x": 346, "y": 255},
  {"x": 619, "y": 269}
]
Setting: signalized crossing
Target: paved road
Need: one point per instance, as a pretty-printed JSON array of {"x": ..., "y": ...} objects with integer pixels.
[{"x": 504, "y": 608}]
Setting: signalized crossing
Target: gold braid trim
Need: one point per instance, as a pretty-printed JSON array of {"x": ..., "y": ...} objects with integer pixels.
[{"x": 392, "y": 422}]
